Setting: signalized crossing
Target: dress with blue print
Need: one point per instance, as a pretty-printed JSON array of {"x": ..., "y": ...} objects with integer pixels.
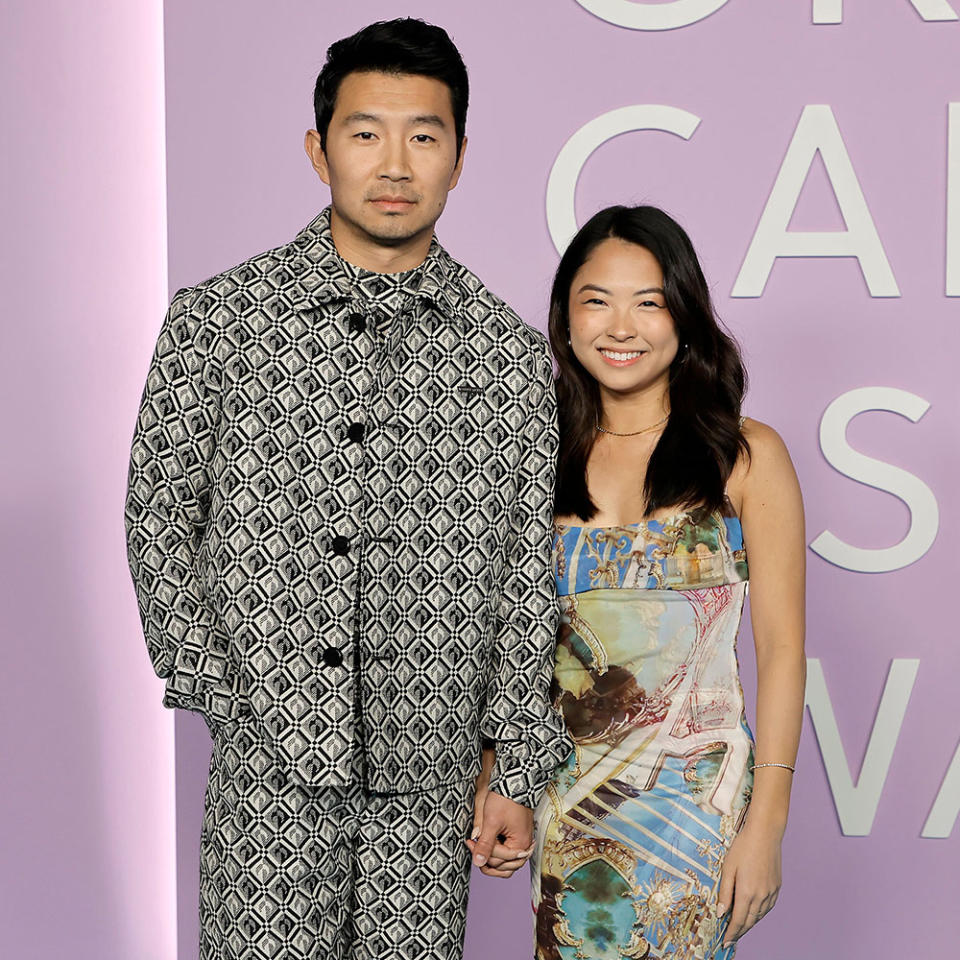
[{"x": 632, "y": 830}]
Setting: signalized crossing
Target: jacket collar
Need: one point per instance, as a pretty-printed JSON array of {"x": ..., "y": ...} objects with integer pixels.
[{"x": 324, "y": 280}]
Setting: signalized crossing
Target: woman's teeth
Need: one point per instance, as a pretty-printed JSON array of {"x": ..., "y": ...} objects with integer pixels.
[{"x": 616, "y": 355}]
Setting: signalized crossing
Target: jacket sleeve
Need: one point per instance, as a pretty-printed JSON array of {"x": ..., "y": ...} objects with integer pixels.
[
  {"x": 528, "y": 734},
  {"x": 166, "y": 513}
]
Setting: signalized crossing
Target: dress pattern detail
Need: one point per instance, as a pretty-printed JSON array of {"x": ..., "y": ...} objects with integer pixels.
[{"x": 633, "y": 828}]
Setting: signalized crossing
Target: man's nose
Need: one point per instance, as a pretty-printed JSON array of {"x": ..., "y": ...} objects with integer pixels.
[{"x": 396, "y": 162}]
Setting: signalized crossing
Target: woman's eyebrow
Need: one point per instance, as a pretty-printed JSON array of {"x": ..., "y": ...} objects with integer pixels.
[{"x": 637, "y": 293}]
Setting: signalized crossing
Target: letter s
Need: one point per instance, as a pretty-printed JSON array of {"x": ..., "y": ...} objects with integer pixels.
[{"x": 919, "y": 498}]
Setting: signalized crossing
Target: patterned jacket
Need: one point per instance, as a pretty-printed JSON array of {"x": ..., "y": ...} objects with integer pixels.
[{"x": 346, "y": 533}]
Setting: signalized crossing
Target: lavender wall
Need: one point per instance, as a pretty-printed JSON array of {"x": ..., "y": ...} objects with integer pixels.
[
  {"x": 239, "y": 80},
  {"x": 239, "y": 99},
  {"x": 86, "y": 810},
  {"x": 87, "y": 822}
]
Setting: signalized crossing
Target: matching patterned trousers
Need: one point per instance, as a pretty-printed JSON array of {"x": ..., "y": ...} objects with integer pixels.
[{"x": 289, "y": 872}]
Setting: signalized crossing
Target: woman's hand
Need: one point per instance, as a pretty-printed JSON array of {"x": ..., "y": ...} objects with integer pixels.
[
  {"x": 750, "y": 880},
  {"x": 483, "y": 784}
]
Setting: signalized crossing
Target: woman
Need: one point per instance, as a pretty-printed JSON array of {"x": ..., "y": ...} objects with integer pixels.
[{"x": 661, "y": 835}]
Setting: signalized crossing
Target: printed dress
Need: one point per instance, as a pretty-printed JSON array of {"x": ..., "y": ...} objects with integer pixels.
[{"x": 631, "y": 832}]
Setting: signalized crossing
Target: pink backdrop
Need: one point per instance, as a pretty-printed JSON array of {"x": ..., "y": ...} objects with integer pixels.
[
  {"x": 87, "y": 819},
  {"x": 238, "y": 97}
]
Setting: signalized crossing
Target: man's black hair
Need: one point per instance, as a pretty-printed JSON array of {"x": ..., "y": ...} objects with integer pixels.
[{"x": 403, "y": 46}]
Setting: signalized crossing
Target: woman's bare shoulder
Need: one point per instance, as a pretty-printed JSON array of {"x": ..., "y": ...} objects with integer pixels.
[
  {"x": 768, "y": 461},
  {"x": 762, "y": 436}
]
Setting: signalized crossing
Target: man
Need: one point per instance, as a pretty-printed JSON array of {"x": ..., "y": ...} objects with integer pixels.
[{"x": 339, "y": 515}]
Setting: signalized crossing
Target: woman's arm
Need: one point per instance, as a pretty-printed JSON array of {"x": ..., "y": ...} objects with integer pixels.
[{"x": 771, "y": 509}]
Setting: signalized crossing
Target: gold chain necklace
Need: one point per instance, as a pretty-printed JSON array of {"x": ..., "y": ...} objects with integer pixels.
[{"x": 636, "y": 433}]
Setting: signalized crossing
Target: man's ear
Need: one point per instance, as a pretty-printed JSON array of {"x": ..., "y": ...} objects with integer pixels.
[
  {"x": 317, "y": 155},
  {"x": 458, "y": 169}
]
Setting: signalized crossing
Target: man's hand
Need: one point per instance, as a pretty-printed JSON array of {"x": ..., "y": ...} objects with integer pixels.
[{"x": 502, "y": 838}]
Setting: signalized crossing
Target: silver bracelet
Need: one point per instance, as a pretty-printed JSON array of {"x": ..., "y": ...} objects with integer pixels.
[{"x": 785, "y": 765}]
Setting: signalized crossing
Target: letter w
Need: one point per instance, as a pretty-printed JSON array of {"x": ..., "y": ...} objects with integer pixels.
[
  {"x": 831, "y": 11},
  {"x": 857, "y": 803}
]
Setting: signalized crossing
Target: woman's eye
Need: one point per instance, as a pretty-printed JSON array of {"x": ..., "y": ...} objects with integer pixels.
[
  {"x": 596, "y": 300},
  {"x": 650, "y": 305}
]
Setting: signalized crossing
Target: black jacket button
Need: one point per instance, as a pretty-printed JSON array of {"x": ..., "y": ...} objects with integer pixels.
[
  {"x": 341, "y": 546},
  {"x": 355, "y": 432},
  {"x": 357, "y": 323},
  {"x": 332, "y": 657}
]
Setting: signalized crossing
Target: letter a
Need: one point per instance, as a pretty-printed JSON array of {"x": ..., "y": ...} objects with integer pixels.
[{"x": 816, "y": 131}]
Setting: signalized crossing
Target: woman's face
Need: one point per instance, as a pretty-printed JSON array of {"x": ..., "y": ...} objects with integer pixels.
[{"x": 620, "y": 328}]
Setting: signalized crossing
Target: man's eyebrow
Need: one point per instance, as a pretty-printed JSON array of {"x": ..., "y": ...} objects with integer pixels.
[
  {"x": 637, "y": 293},
  {"x": 432, "y": 119}
]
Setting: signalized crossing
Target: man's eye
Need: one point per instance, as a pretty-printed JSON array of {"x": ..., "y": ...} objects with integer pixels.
[
  {"x": 364, "y": 135},
  {"x": 424, "y": 138}
]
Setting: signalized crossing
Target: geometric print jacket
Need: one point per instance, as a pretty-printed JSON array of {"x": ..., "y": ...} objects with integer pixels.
[{"x": 341, "y": 527}]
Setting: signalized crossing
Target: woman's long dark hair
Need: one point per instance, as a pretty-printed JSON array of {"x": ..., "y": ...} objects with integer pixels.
[{"x": 699, "y": 446}]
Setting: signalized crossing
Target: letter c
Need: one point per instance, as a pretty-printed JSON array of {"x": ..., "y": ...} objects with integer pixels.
[{"x": 562, "y": 184}]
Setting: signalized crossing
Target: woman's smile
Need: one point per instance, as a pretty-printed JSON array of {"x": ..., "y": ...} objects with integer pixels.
[{"x": 621, "y": 358}]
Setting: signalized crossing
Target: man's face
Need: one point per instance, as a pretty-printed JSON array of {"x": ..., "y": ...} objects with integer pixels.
[{"x": 390, "y": 157}]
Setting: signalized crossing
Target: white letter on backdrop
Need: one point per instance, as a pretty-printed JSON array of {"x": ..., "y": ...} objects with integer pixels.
[
  {"x": 562, "y": 184},
  {"x": 953, "y": 200},
  {"x": 946, "y": 807},
  {"x": 919, "y": 498},
  {"x": 828, "y": 11},
  {"x": 831, "y": 11},
  {"x": 656, "y": 16},
  {"x": 816, "y": 131},
  {"x": 857, "y": 804}
]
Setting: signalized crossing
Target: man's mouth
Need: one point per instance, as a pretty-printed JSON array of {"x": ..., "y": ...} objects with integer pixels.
[{"x": 393, "y": 203}]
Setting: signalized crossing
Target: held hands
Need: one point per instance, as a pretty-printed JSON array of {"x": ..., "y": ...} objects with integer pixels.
[
  {"x": 502, "y": 836},
  {"x": 750, "y": 880}
]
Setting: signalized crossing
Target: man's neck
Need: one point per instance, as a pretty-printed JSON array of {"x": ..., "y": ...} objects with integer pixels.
[{"x": 362, "y": 251}]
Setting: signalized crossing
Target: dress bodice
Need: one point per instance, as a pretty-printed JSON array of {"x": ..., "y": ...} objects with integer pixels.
[
  {"x": 646, "y": 652},
  {"x": 681, "y": 552}
]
